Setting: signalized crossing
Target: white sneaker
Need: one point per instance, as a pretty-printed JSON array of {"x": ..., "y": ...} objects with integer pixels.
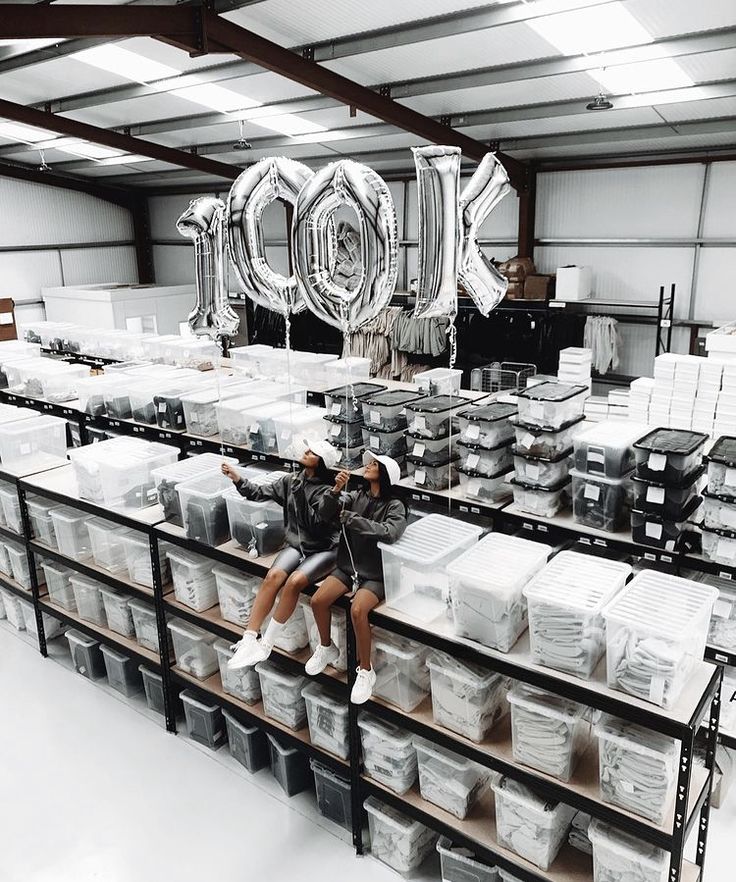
[
  {"x": 363, "y": 686},
  {"x": 323, "y": 656},
  {"x": 248, "y": 652}
]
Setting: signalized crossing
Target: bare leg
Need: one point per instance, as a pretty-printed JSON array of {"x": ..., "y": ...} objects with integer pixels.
[
  {"x": 289, "y": 597},
  {"x": 363, "y": 602},
  {"x": 327, "y": 593},
  {"x": 266, "y": 597}
]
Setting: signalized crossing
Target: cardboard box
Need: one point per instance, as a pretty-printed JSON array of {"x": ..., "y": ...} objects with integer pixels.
[
  {"x": 539, "y": 287},
  {"x": 515, "y": 291},
  {"x": 8, "y": 330}
]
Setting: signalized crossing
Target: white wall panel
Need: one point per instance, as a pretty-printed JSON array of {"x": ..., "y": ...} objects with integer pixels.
[
  {"x": 174, "y": 264},
  {"x": 87, "y": 266},
  {"x": 720, "y": 217},
  {"x": 24, "y": 273},
  {"x": 714, "y": 294}
]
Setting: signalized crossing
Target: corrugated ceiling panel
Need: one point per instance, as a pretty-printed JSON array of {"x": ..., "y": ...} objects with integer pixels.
[
  {"x": 155, "y": 50},
  {"x": 634, "y": 117},
  {"x": 54, "y": 79},
  {"x": 665, "y": 18},
  {"x": 713, "y": 298},
  {"x": 709, "y": 66},
  {"x": 85, "y": 266},
  {"x": 720, "y": 200},
  {"x": 641, "y": 145},
  {"x": 699, "y": 109}
]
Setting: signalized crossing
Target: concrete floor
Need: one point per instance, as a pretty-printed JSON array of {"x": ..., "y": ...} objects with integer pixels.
[{"x": 91, "y": 791}]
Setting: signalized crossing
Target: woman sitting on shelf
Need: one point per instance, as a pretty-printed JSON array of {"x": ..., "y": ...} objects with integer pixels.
[
  {"x": 368, "y": 516},
  {"x": 310, "y": 552}
]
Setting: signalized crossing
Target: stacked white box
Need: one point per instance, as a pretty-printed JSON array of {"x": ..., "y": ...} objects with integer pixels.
[
  {"x": 640, "y": 398},
  {"x": 596, "y": 408},
  {"x": 618, "y": 404},
  {"x": 575, "y": 366}
]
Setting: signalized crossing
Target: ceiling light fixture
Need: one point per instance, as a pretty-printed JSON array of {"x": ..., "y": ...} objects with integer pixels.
[
  {"x": 215, "y": 97},
  {"x": 642, "y": 76},
  {"x": 27, "y": 134},
  {"x": 124, "y": 63},
  {"x": 288, "y": 124},
  {"x": 595, "y": 29},
  {"x": 242, "y": 143},
  {"x": 600, "y": 102}
]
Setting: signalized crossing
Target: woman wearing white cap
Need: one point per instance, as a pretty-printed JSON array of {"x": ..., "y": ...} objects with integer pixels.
[
  {"x": 368, "y": 516},
  {"x": 310, "y": 552}
]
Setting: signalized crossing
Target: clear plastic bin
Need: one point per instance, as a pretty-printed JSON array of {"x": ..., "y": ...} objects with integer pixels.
[
  {"x": 248, "y": 744},
  {"x": 543, "y": 471},
  {"x": 432, "y": 417},
  {"x": 13, "y": 610},
  {"x": 122, "y": 673},
  {"x": 52, "y": 627},
  {"x": 440, "y": 476},
  {"x": 39, "y": 512},
  {"x": 350, "y": 369},
  {"x": 205, "y": 723},
  {"x": 106, "y": 540},
  {"x": 548, "y": 732},
  {"x": 116, "y": 397},
  {"x": 466, "y": 698},
  {"x": 448, "y": 780},
  {"x": 389, "y": 755},
  {"x": 11, "y": 509},
  {"x": 669, "y": 455},
  {"x": 344, "y": 402},
  {"x": 391, "y": 444},
  {"x": 282, "y": 695},
  {"x": 607, "y": 448},
  {"x": 486, "y": 588},
  {"x": 670, "y": 501},
  {"x": 534, "y": 440},
  {"x": 91, "y": 393},
  {"x": 203, "y": 508},
  {"x": 138, "y": 559},
  {"x": 60, "y": 382},
  {"x": 58, "y": 584},
  {"x": 255, "y": 525},
  {"x": 415, "y": 567},
  {"x": 243, "y": 683},
  {"x": 338, "y": 633},
  {"x": 430, "y": 451},
  {"x": 117, "y": 610},
  {"x": 530, "y": 825},
  {"x": 235, "y": 418},
  {"x": 719, "y": 511},
  {"x": 638, "y": 767},
  {"x": 439, "y": 381},
  {"x": 5, "y": 566},
  {"x": 200, "y": 406},
  {"x": 721, "y": 459},
  {"x": 485, "y": 461},
  {"x": 88, "y": 599},
  {"x": 544, "y": 502},
  {"x": 327, "y": 716},
  {"x": 719, "y": 546},
  {"x": 600, "y": 502},
  {"x": 70, "y": 529},
  {"x": 351, "y": 457},
  {"x": 194, "y": 649},
  {"x": 295, "y": 425},
  {"x": 168, "y": 403},
  {"x": 193, "y": 577},
  {"x": 19, "y": 565},
  {"x": 722, "y": 631},
  {"x": 566, "y": 599},
  {"x": 551, "y": 405},
  {"x": 86, "y": 655},
  {"x": 236, "y": 592},
  {"x": 484, "y": 488},
  {"x": 342, "y": 434},
  {"x": 656, "y": 630},
  {"x": 396, "y": 839},
  {"x": 289, "y": 767},
  {"x": 617, "y": 856},
  {"x": 387, "y": 410},
  {"x": 167, "y": 477},
  {"x": 459, "y": 865},
  {"x": 153, "y": 685},
  {"x": 402, "y": 676},
  {"x": 654, "y": 530},
  {"x": 144, "y": 623},
  {"x": 34, "y": 443},
  {"x": 333, "y": 795}
]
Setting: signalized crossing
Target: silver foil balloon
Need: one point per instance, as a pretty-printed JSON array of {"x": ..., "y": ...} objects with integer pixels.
[
  {"x": 314, "y": 244},
  {"x": 204, "y": 223},
  {"x": 264, "y": 182},
  {"x": 438, "y": 187},
  {"x": 477, "y": 275}
]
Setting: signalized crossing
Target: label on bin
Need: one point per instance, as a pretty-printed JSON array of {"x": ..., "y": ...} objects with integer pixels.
[
  {"x": 656, "y": 689},
  {"x": 652, "y": 530},
  {"x": 473, "y": 432},
  {"x": 472, "y": 460},
  {"x": 655, "y": 495},
  {"x": 419, "y": 476},
  {"x": 473, "y": 487},
  {"x": 375, "y": 442},
  {"x": 592, "y": 491},
  {"x": 657, "y": 462},
  {"x": 162, "y": 407},
  {"x": 527, "y": 441},
  {"x": 532, "y": 471},
  {"x": 335, "y": 409},
  {"x": 730, "y": 479},
  {"x": 255, "y": 429},
  {"x": 722, "y": 609},
  {"x": 25, "y": 449},
  {"x": 418, "y": 450},
  {"x": 375, "y": 417},
  {"x": 420, "y": 422},
  {"x": 335, "y": 431}
]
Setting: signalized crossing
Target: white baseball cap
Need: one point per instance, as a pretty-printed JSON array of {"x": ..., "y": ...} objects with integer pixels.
[
  {"x": 393, "y": 470},
  {"x": 329, "y": 455}
]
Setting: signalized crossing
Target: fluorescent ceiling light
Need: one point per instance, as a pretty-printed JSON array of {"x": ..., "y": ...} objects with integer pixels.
[
  {"x": 324, "y": 137},
  {"x": 644, "y": 76},
  {"x": 288, "y": 124},
  {"x": 19, "y": 132},
  {"x": 125, "y": 159},
  {"x": 125, "y": 63},
  {"x": 89, "y": 151},
  {"x": 215, "y": 97},
  {"x": 597, "y": 29}
]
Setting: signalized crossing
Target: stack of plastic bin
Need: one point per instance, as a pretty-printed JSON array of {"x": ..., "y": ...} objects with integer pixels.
[
  {"x": 243, "y": 683},
  {"x": 415, "y": 567},
  {"x": 248, "y": 744},
  {"x": 448, "y": 780},
  {"x": 194, "y": 581},
  {"x": 205, "y": 723},
  {"x": 668, "y": 472},
  {"x": 236, "y": 592},
  {"x": 333, "y": 795},
  {"x": 193, "y": 649},
  {"x": 34, "y": 443},
  {"x": 719, "y": 504},
  {"x": 396, "y": 839},
  {"x": 484, "y": 440},
  {"x": 282, "y": 695},
  {"x": 289, "y": 767},
  {"x": 327, "y": 717},
  {"x": 167, "y": 477},
  {"x": 389, "y": 755},
  {"x": 344, "y": 408},
  {"x": 203, "y": 508},
  {"x": 402, "y": 677},
  {"x": 656, "y": 629},
  {"x": 601, "y": 480},
  {"x": 432, "y": 457},
  {"x": 566, "y": 601},
  {"x": 618, "y": 856},
  {"x": 385, "y": 423},
  {"x": 486, "y": 588}
]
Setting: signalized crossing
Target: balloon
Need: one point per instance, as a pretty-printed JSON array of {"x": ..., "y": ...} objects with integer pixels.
[
  {"x": 438, "y": 186},
  {"x": 477, "y": 275},
  {"x": 314, "y": 244},
  {"x": 204, "y": 223},
  {"x": 267, "y": 180}
]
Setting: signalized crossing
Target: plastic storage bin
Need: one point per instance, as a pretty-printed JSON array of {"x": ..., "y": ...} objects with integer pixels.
[
  {"x": 607, "y": 448},
  {"x": 393, "y": 444},
  {"x": 289, "y": 767},
  {"x": 669, "y": 455},
  {"x": 487, "y": 426},
  {"x": 327, "y": 717},
  {"x": 437, "y": 477},
  {"x": 459, "y": 865},
  {"x": 86, "y": 655},
  {"x": 670, "y": 501},
  {"x": 551, "y": 405},
  {"x": 721, "y": 459},
  {"x": 387, "y": 410},
  {"x": 194, "y": 649},
  {"x": 59, "y": 585},
  {"x": 566, "y": 601},
  {"x": 144, "y": 623},
  {"x": 431, "y": 451},
  {"x": 638, "y": 767},
  {"x": 484, "y": 488},
  {"x": 719, "y": 511},
  {"x": 439, "y": 381},
  {"x": 282, "y": 695},
  {"x": 19, "y": 565},
  {"x": 432, "y": 417},
  {"x": 11, "y": 509},
  {"x": 415, "y": 567},
  {"x": 106, "y": 541},
  {"x": 600, "y": 502},
  {"x": 39, "y": 512},
  {"x": 333, "y": 795},
  {"x": 138, "y": 559},
  {"x": 153, "y": 685},
  {"x": 654, "y": 530},
  {"x": 342, "y": 434},
  {"x": 656, "y": 630},
  {"x": 543, "y": 471},
  {"x": 13, "y": 610},
  {"x": 70, "y": 529},
  {"x": 530, "y": 825},
  {"x": 243, "y": 683},
  {"x": 389, "y": 755},
  {"x": 350, "y": 369},
  {"x": 204, "y": 511},
  {"x": 396, "y": 839},
  {"x": 483, "y": 460},
  {"x": 486, "y": 588},
  {"x": 719, "y": 546},
  {"x": 345, "y": 402},
  {"x": 448, "y": 780},
  {"x": 293, "y": 636},
  {"x": 248, "y": 744},
  {"x": 52, "y": 627},
  {"x": 193, "y": 578},
  {"x": 122, "y": 673},
  {"x": 5, "y": 566},
  {"x": 205, "y": 723},
  {"x": 617, "y": 856},
  {"x": 117, "y": 610},
  {"x": 255, "y": 525},
  {"x": 531, "y": 439},
  {"x": 236, "y": 592},
  {"x": 548, "y": 732},
  {"x": 294, "y": 426},
  {"x": 167, "y": 477},
  {"x": 88, "y": 599},
  {"x": 402, "y": 677},
  {"x": 200, "y": 406},
  {"x": 544, "y": 502},
  {"x": 466, "y": 698}
]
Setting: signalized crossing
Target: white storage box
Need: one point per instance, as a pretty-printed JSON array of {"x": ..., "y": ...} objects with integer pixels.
[
  {"x": 448, "y": 780},
  {"x": 59, "y": 383},
  {"x": 70, "y": 529},
  {"x": 397, "y": 840},
  {"x": 58, "y": 584},
  {"x": 566, "y": 600},
  {"x": 106, "y": 541},
  {"x": 439, "y": 381},
  {"x": 551, "y": 405},
  {"x": 466, "y": 698},
  {"x": 5, "y": 566},
  {"x": 249, "y": 356},
  {"x": 257, "y": 525},
  {"x": 327, "y": 716},
  {"x": 607, "y": 448},
  {"x": 117, "y": 610},
  {"x": 193, "y": 578},
  {"x": 19, "y": 565},
  {"x": 338, "y": 633},
  {"x": 529, "y": 825},
  {"x": 203, "y": 508},
  {"x": 88, "y": 599},
  {"x": 402, "y": 677},
  {"x": 137, "y": 552},
  {"x": 656, "y": 630},
  {"x": 235, "y": 417},
  {"x": 415, "y": 567},
  {"x": 282, "y": 695},
  {"x": 144, "y": 623},
  {"x": 486, "y": 588},
  {"x": 39, "y": 512},
  {"x": 11, "y": 508},
  {"x": 573, "y": 283},
  {"x": 618, "y": 857},
  {"x": 722, "y": 631},
  {"x": 389, "y": 755},
  {"x": 122, "y": 673},
  {"x": 431, "y": 417},
  {"x": 243, "y": 683},
  {"x": 236, "y": 592},
  {"x": 199, "y": 406},
  {"x": 548, "y": 732},
  {"x": 544, "y": 502},
  {"x": 484, "y": 488},
  {"x": 294, "y": 425},
  {"x": 167, "y": 477},
  {"x": 293, "y": 637},
  {"x": 194, "y": 649},
  {"x": 34, "y": 443}
]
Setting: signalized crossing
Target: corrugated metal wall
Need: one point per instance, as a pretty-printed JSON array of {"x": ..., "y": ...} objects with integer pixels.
[{"x": 50, "y": 237}]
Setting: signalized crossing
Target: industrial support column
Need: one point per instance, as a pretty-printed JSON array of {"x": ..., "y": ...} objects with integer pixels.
[{"x": 527, "y": 212}]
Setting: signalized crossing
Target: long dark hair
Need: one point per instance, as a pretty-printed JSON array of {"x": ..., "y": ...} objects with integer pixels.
[
  {"x": 387, "y": 489},
  {"x": 322, "y": 473}
]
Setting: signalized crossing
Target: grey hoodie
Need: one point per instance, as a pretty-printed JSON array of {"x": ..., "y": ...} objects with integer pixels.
[{"x": 299, "y": 496}]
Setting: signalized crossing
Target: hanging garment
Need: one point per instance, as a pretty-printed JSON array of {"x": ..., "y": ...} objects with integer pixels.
[
  {"x": 602, "y": 337},
  {"x": 419, "y": 336}
]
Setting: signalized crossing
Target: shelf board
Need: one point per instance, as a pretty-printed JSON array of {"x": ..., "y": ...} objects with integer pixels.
[
  {"x": 453, "y": 499},
  {"x": 7, "y": 533},
  {"x": 30, "y": 466}
]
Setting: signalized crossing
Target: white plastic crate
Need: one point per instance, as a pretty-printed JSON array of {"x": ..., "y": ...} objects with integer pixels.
[
  {"x": 88, "y": 599},
  {"x": 439, "y": 381},
  {"x": 396, "y": 839},
  {"x": 617, "y": 856},
  {"x": 243, "y": 683},
  {"x": 236, "y": 592},
  {"x": 295, "y": 425},
  {"x": 449, "y": 780},
  {"x": 459, "y": 865},
  {"x": 327, "y": 717},
  {"x": 144, "y": 623},
  {"x": 193, "y": 578},
  {"x": 402, "y": 677},
  {"x": 137, "y": 552},
  {"x": 11, "y": 508},
  {"x": 431, "y": 417},
  {"x": 282, "y": 695},
  {"x": 19, "y": 565},
  {"x": 389, "y": 755},
  {"x": 607, "y": 448},
  {"x": 194, "y": 649}
]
